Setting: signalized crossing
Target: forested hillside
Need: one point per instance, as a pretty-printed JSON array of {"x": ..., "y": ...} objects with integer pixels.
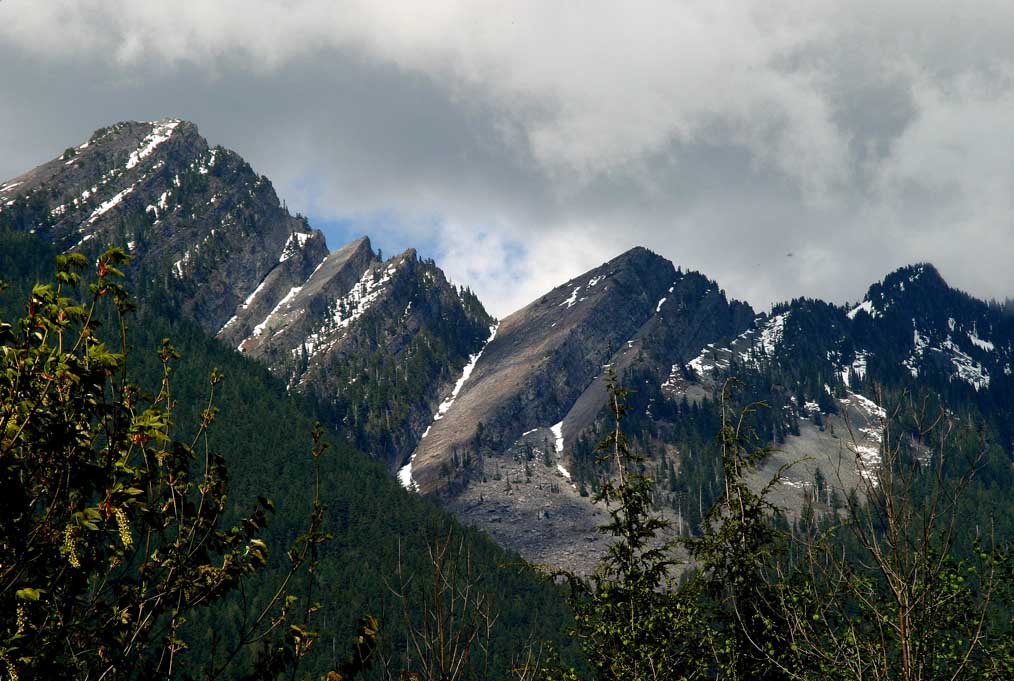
[
  {"x": 379, "y": 342},
  {"x": 857, "y": 505},
  {"x": 264, "y": 434}
]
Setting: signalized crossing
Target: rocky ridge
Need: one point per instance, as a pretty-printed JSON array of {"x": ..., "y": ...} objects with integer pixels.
[
  {"x": 497, "y": 420},
  {"x": 210, "y": 236},
  {"x": 503, "y": 453}
]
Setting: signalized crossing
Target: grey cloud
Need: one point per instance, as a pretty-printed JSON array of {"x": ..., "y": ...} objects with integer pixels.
[{"x": 521, "y": 144}]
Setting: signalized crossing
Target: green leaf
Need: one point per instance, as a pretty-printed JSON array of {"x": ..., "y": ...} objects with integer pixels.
[{"x": 29, "y": 594}]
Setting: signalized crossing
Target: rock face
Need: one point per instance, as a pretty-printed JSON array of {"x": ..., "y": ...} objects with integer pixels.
[
  {"x": 541, "y": 381},
  {"x": 197, "y": 219},
  {"x": 376, "y": 340},
  {"x": 546, "y": 365},
  {"x": 498, "y": 420}
]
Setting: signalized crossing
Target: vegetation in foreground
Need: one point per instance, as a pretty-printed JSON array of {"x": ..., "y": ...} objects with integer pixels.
[
  {"x": 118, "y": 545},
  {"x": 377, "y": 533},
  {"x": 888, "y": 587}
]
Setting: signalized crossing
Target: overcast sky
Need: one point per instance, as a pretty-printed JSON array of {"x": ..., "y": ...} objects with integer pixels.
[{"x": 792, "y": 148}]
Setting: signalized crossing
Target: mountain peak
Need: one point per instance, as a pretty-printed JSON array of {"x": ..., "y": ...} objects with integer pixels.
[
  {"x": 640, "y": 255},
  {"x": 919, "y": 275},
  {"x": 141, "y": 137},
  {"x": 918, "y": 283},
  {"x": 361, "y": 244},
  {"x": 211, "y": 236},
  {"x": 196, "y": 219}
]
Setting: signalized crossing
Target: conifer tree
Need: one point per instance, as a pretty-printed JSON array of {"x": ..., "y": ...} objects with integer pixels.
[
  {"x": 111, "y": 530},
  {"x": 634, "y": 624}
]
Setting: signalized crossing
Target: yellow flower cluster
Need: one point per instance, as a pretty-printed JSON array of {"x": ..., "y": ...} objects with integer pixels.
[
  {"x": 69, "y": 546},
  {"x": 124, "y": 526}
]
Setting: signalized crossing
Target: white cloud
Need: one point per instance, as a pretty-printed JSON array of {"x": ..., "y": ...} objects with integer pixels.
[
  {"x": 508, "y": 273},
  {"x": 593, "y": 87},
  {"x": 524, "y": 142}
]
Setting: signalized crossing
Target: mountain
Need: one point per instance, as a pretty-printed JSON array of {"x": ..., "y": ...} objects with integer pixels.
[
  {"x": 511, "y": 448},
  {"x": 199, "y": 222},
  {"x": 498, "y": 420},
  {"x": 948, "y": 334},
  {"x": 500, "y": 447},
  {"x": 376, "y": 341},
  {"x": 831, "y": 375},
  {"x": 263, "y": 432},
  {"x": 910, "y": 329}
]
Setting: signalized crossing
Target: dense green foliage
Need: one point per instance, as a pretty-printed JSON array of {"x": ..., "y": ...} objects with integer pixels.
[
  {"x": 877, "y": 590},
  {"x": 263, "y": 434},
  {"x": 111, "y": 531},
  {"x": 632, "y": 620}
]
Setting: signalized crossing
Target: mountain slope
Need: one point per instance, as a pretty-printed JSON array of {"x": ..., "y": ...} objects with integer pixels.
[
  {"x": 375, "y": 341},
  {"x": 197, "y": 219},
  {"x": 500, "y": 447},
  {"x": 263, "y": 431},
  {"x": 909, "y": 327},
  {"x": 831, "y": 375},
  {"x": 510, "y": 449}
]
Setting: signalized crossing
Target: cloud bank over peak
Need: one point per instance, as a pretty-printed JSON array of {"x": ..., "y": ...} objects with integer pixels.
[{"x": 522, "y": 143}]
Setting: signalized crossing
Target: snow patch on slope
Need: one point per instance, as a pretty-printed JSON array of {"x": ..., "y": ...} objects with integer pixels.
[
  {"x": 244, "y": 305},
  {"x": 446, "y": 405},
  {"x": 348, "y": 308},
  {"x": 857, "y": 368},
  {"x": 259, "y": 329},
  {"x": 772, "y": 334},
  {"x": 670, "y": 383},
  {"x": 570, "y": 302},
  {"x": 868, "y": 437},
  {"x": 966, "y": 368},
  {"x": 919, "y": 345},
  {"x": 160, "y": 132},
  {"x": 980, "y": 343},
  {"x": 405, "y": 476},
  {"x": 293, "y": 245},
  {"x": 109, "y": 205},
  {"x": 557, "y": 431},
  {"x": 859, "y": 364},
  {"x": 866, "y": 306},
  {"x": 405, "y": 472}
]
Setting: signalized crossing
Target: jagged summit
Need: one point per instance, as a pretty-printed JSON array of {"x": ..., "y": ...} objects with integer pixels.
[
  {"x": 376, "y": 340},
  {"x": 539, "y": 383},
  {"x": 497, "y": 420},
  {"x": 921, "y": 273},
  {"x": 913, "y": 283},
  {"x": 279, "y": 299},
  {"x": 197, "y": 220}
]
